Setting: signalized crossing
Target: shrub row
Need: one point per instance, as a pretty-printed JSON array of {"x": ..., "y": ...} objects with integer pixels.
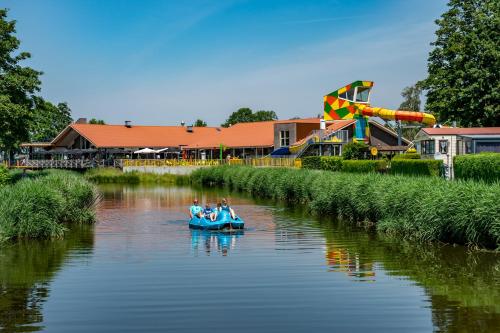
[
  {"x": 39, "y": 207},
  {"x": 335, "y": 163},
  {"x": 484, "y": 166},
  {"x": 407, "y": 156},
  {"x": 422, "y": 208},
  {"x": 413, "y": 167}
]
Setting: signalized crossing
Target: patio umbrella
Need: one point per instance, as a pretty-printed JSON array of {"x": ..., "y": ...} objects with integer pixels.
[{"x": 145, "y": 151}]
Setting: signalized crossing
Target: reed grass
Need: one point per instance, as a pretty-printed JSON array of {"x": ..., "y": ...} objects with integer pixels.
[
  {"x": 418, "y": 208},
  {"x": 40, "y": 207},
  {"x": 113, "y": 175}
]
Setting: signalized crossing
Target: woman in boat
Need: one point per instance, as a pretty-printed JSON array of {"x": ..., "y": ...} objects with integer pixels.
[
  {"x": 195, "y": 209},
  {"x": 225, "y": 206}
]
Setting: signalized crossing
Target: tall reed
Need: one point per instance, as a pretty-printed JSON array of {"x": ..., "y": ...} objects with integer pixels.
[
  {"x": 421, "y": 208},
  {"x": 40, "y": 207}
]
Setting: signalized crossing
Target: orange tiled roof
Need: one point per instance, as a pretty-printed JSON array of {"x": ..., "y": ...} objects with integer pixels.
[
  {"x": 109, "y": 136},
  {"x": 256, "y": 134}
]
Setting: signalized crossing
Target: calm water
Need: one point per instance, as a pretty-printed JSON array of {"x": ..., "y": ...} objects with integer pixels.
[{"x": 140, "y": 269}]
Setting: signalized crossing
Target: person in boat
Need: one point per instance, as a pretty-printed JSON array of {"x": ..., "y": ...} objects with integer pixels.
[
  {"x": 195, "y": 209},
  {"x": 209, "y": 213},
  {"x": 225, "y": 206}
]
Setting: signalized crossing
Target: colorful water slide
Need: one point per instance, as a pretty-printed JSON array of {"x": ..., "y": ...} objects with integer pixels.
[{"x": 353, "y": 102}]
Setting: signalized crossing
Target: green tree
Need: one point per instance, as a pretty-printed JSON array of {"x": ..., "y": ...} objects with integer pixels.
[
  {"x": 95, "y": 121},
  {"x": 246, "y": 115},
  {"x": 354, "y": 151},
  {"x": 265, "y": 115},
  {"x": 48, "y": 120},
  {"x": 411, "y": 98},
  {"x": 463, "y": 84},
  {"x": 200, "y": 123},
  {"x": 17, "y": 86}
]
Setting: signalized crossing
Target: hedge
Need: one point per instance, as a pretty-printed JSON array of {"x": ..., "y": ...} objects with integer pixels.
[
  {"x": 484, "y": 166},
  {"x": 416, "y": 167},
  {"x": 336, "y": 163},
  {"x": 407, "y": 156}
]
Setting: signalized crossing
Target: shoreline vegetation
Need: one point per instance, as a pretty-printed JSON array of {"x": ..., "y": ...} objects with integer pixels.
[
  {"x": 116, "y": 176},
  {"x": 416, "y": 208},
  {"x": 43, "y": 204}
]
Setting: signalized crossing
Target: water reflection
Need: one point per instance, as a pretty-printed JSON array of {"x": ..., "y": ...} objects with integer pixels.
[
  {"x": 27, "y": 268},
  {"x": 209, "y": 242},
  {"x": 147, "y": 258}
]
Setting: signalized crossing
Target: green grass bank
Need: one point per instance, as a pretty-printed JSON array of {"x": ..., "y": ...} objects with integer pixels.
[
  {"x": 41, "y": 204},
  {"x": 418, "y": 208},
  {"x": 116, "y": 176}
]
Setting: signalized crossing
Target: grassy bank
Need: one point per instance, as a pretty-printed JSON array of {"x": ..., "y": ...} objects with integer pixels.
[
  {"x": 421, "y": 208},
  {"x": 39, "y": 207},
  {"x": 113, "y": 175}
]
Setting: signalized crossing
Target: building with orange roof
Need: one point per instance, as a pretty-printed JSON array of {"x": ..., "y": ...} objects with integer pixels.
[{"x": 243, "y": 140}]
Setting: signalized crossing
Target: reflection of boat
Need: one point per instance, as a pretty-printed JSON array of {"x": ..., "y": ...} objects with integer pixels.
[
  {"x": 222, "y": 240},
  {"x": 223, "y": 220}
]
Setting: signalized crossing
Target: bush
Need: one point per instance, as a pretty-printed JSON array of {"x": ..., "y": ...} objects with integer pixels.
[
  {"x": 407, "y": 156},
  {"x": 39, "y": 207},
  {"x": 331, "y": 163},
  {"x": 354, "y": 151},
  {"x": 422, "y": 208},
  {"x": 311, "y": 162},
  {"x": 416, "y": 167},
  {"x": 484, "y": 166},
  {"x": 364, "y": 166}
]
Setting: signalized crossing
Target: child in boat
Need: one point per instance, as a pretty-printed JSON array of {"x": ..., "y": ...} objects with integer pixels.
[
  {"x": 209, "y": 213},
  {"x": 195, "y": 209},
  {"x": 225, "y": 206}
]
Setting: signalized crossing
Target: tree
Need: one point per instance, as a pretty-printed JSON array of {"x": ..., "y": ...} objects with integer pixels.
[
  {"x": 17, "y": 86},
  {"x": 265, "y": 115},
  {"x": 411, "y": 96},
  {"x": 354, "y": 151},
  {"x": 48, "y": 120},
  {"x": 245, "y": 115},
  {"x": 463, "y": 82},
  {"x": 94, "y": 121},
  {"x": 200, "y": 123}
]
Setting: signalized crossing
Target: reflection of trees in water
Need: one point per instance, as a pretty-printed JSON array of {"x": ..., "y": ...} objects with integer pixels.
[
  {"x": 462, "y": 285},
  {"x": 27, "y": 267}
]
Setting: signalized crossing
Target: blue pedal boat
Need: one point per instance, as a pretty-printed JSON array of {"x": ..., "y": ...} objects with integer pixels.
[{"x": 223, "y": 221}]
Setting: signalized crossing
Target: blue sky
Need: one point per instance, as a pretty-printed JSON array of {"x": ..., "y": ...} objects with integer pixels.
[{"x": 161, "y": 62}]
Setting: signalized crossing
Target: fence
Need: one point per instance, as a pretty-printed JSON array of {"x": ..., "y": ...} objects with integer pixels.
[
  {"x": 258, "y": 162},
  {"x": 120, "y": 163}
]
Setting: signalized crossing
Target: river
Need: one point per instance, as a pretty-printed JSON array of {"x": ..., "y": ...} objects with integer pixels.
[{"x": 140, "y": 269}]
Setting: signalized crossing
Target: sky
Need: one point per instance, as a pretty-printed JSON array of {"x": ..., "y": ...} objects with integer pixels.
[{"x": 160, "y": 62}]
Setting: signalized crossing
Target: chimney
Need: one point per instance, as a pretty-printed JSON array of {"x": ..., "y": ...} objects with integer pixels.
[
  {"x": 189, "y": 128},
  {"x": 81, "y": 121},
  {"x": 128, "y": 123}
]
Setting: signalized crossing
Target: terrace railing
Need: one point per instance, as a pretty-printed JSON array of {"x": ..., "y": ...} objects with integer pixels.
[
  {"x": 263, "y": 162},
  {"x": 120, "y": 163},
  {"x": 59, "y": 164}
]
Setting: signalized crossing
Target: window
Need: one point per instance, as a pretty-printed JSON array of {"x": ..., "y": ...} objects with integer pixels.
[
  {"x": 428, "y": 147},
  {"x": 468, "y": 147},
  {"x": 443, "y": 146},
  {"x": 350, "y": 94},
  {"x": 285, "y": 138},
  {"x": 362, "y": 94}
]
